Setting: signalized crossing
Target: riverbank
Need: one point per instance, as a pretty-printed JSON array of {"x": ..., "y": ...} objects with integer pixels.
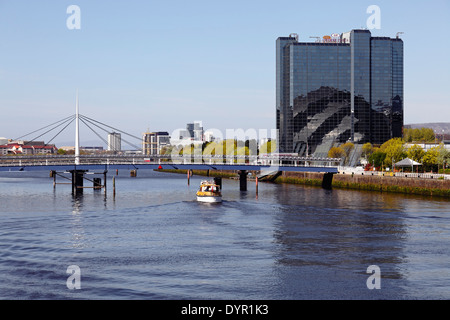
[{"x": 378, "y": 183}]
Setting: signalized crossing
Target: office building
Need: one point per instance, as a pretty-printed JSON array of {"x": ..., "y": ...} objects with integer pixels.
[
  {"x": 114, "y": 142},
  {"x": 153, "y": 142},
  {"x": 343, "y": 87},
  {"x": 193, "y": 132}
]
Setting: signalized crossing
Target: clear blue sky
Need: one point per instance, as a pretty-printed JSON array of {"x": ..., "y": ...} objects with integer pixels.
[{"x": 161, "y": 64}]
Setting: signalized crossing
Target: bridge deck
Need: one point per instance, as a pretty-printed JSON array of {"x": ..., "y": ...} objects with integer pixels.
[{"x": 92, "y": 163}]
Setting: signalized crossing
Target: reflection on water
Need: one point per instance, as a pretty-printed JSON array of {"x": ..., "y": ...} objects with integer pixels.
[
  {"x": 154, "y": 241},
  {"x": 77, "y": 228}
]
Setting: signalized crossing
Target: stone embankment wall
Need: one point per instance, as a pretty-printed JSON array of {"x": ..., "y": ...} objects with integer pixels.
[{"x": 419, "y": 186}]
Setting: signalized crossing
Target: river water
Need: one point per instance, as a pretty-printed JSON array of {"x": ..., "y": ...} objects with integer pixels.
[{"x": 154, "y": 241}]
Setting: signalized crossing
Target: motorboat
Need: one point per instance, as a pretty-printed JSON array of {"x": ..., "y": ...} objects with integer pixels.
[{"x": 209, "y": 192}]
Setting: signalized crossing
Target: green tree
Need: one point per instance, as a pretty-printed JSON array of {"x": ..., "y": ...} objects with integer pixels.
[
  {"x": 407, "y": 135},
  {"x": 395, "y": 151},
  {"x": 428, "y": 135},
  {"x": 415, "y": 153},
  {"x": 418, "y": 135},
  {"x": 377, "y": 158},
  {"x": 443, "y": 157},
  {"x": 62, "y": 152},
  {"x": 429, "y": 160}
]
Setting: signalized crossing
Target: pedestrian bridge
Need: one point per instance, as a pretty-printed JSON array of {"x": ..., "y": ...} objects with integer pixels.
[
  {"x": 137, "y": 162},
  {"x": 79, "y": 165},
  {"x": 82, "y": 165}
]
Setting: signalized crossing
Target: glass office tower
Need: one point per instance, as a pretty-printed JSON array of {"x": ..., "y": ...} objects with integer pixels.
[{"x": 346, "y": 87}]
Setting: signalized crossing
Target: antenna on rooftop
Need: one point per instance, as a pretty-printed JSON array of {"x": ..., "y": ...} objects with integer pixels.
[
  {"x": 294, "y": 35},
  {"x": 398, "y": 34}
]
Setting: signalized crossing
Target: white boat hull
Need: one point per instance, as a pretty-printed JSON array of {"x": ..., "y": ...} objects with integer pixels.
[{"x": 209, "y": 199}]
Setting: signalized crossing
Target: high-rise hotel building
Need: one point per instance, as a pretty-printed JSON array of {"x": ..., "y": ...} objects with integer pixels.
[{"x": 344, "y": 87}]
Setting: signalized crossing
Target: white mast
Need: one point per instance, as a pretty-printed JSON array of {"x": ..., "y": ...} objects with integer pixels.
[{"x": 77, "y": 134}]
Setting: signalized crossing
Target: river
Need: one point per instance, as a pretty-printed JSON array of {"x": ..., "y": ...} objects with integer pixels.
[{"x": 153, "y": 241}]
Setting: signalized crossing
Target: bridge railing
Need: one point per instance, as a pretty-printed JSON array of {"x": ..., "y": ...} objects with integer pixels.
[{"x": 46, "y": 160}]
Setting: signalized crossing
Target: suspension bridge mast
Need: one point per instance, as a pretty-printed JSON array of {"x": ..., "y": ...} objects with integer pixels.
[{"x": 77, "y": 133}]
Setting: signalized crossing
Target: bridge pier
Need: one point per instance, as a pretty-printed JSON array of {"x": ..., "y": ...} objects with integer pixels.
[
  {"x": 243, "y": 180},
  {"x": 97, "y": 183},
  {"x": 327, "y": 181},
  {"x": 77, "y": 180}
]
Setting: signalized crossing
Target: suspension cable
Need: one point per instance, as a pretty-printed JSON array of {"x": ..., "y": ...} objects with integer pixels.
[
  {"x": 34, "y": 139},
  {"x": 59, "y": 132},
  {"x": 129, "y": 143},
  {"x": 63, "y": 120},
  {"x": 118, "y": 130},
  {"x": 101, "y": 138}
]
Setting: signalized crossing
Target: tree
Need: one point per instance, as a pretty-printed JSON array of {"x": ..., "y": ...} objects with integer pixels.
[
  {"x": 268, "y": 147},
  {"x": 336, "y": 152},
  {"x": 395, "y": 151},
  {"x": 428, "y": 135},
  {"x": 430, "y": 159},
  {"x": 252, "y": 146},
  {"x": 418, "y": 135},
  {"x": 230, "y": 147},
  {"x": 210, "y": 148},
  {"x": 415, "y": 153},
  {"x": 243, "y": 151},
  {"x": 377, "y": 158},
  {"x": 367, "y": 149},
  {"x": 166, "y": 150},
  {"x": 443, "y": 156},
  {"x": 347, "y": 147}
]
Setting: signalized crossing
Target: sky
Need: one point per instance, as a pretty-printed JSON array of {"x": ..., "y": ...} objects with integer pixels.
[{"x": 157, "y": 65}]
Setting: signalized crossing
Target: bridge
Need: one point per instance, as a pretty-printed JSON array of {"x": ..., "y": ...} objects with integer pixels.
[
  {"x": 79, "y": 165},
  {"x": 194, "y": 162}
]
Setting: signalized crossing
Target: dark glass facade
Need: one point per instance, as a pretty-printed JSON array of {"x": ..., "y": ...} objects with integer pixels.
[{"x": 334, "y": 92}]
